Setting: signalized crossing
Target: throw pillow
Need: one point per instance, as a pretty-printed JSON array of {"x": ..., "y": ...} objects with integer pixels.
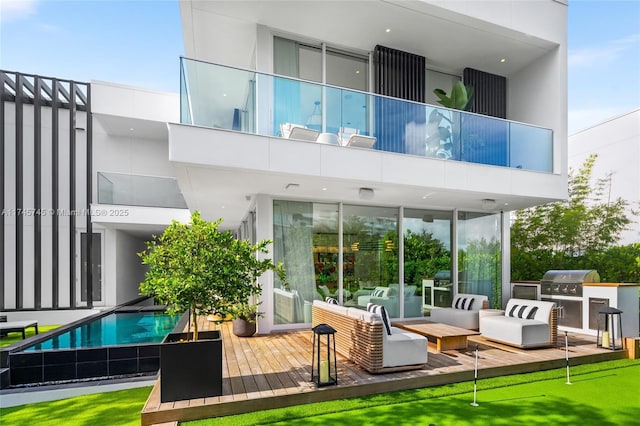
[
  {"x": 380, "y": 310},
  {"x": 460, "y": 302},
  {"x": 521, "y": 311},
  {"x": 471, "y": 300},
  {"x": 332, "y": 301},
  {"x": 379, "y": 292},
  {"x": 512, "y": 312},
  {"x": 532, "y": 313}
]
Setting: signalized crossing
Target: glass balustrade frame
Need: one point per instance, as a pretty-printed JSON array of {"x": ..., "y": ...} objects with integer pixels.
[{"x": 236, "y": 99}]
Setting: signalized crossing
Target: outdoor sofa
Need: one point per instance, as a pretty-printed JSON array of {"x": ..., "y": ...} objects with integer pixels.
[
  {"x": 525, "y": 323},
  {"x": 363, "y": 338},
  {"x": 463, "y": 311}
]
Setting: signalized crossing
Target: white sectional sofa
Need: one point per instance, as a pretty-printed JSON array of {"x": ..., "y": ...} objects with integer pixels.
[
  {"x": 525, "y": 323},
  {"x": 362, "y": 337},
  {"x": 463, "y": 312}
]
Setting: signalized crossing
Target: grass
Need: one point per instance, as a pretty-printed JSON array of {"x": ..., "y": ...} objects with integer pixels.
[
  {"x": 108, "y": 408},
  {"x": 12, "y": 338},
  {"x": 606, "y": 393}
]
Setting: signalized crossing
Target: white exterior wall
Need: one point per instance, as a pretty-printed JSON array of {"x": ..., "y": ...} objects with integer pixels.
[
  {"x": 130, "y": 137},
  {"x": 129, "y": 269},
  {"x": 617, "y": 144}
]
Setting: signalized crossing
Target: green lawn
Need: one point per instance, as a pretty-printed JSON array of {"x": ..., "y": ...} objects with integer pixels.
[
  {"x": 600, "y": 394},
  {"x": 12, "y": 338}
]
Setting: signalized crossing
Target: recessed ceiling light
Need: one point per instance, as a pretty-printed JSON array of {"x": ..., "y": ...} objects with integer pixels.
[
  {"x": 131, "y": 129},
  {"x": 224, "y": 94},
  {"x": 503, "y": 60},
  {"x": 388, "y": 30},
  {"x": 324, "y": 189},
  {"x": 357, "y": 71}
]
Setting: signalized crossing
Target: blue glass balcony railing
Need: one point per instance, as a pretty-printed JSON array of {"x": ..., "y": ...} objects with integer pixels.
[{"x": 230, "y": 98}]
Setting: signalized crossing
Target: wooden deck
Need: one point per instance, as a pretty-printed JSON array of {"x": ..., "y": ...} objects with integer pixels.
[{"x": 274, "y": 371}]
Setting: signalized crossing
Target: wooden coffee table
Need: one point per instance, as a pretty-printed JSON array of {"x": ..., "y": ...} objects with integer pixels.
[{"x": 447, "y": 337}]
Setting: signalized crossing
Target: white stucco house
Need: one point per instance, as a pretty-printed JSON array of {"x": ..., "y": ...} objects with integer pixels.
[{"x": 312, "y": 124}]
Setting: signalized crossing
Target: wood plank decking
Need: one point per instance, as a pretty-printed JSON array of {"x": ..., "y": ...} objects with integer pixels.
[{"x": 273, "y": 371}]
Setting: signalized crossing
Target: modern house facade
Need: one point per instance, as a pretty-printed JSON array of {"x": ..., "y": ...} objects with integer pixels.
[
  {"x": 616, "y": 141},
  {"x": 314, "y": 125}
]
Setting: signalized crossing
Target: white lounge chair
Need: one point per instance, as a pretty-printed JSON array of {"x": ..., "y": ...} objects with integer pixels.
[{"x": 299, "y": 132}]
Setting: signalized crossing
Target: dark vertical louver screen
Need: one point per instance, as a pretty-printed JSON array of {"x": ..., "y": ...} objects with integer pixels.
[
  {"x": 487, "y": 139},
  {"x": 41, "y": 157},
  {"x": 490, "y": 92},
  {"x": 401, "y": 75}
]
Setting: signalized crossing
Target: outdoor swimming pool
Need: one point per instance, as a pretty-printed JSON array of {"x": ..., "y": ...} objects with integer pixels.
[
  {"x": 118, "y": 328},
  {"x": 122, "y": 342}
]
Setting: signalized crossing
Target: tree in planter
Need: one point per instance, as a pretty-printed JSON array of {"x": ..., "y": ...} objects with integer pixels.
[{"x": 196, "y": 267}]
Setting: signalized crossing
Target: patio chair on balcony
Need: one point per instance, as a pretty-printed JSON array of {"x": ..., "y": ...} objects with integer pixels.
[
  {"x": 351, "y": 137},
  {"x": 299, "y": 132}
]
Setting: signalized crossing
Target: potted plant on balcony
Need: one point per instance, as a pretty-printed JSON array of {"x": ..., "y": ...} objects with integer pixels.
[{"x": 197, "y": 268}]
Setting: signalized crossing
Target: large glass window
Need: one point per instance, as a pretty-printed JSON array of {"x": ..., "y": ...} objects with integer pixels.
[
  {"x": 479, "y": 255},
  {"x": 370, "y": 238},
  {"x": 427, "y": 260},
  {"x": 305, "y": 239}
]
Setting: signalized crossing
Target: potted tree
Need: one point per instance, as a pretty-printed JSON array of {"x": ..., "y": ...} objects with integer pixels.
[{"x": 197, "y": 268}]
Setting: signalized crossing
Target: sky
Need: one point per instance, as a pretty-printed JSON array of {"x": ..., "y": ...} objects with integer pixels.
[{"x": 139, "y": 43}]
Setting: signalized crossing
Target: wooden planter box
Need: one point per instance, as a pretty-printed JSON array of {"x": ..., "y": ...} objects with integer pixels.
[{"x": 190, "y": 370}]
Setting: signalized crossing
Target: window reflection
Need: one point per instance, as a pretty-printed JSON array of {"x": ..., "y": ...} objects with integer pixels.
[
  {"x": 479, "y": 255},
  {"x": 427, "y": 260}
]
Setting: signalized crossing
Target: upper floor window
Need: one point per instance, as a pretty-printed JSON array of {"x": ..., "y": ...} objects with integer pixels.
[{"x": 305, "y": 61}]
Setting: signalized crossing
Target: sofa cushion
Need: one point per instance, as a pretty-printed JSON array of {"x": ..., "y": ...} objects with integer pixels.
[
  {"x": 516, "y": 331},
  {"x": 331, "y": 300},
  {"x": 404, "y": 348},
  {"x": 469, "y": 302},
  {"x": 380, "y": 310}
]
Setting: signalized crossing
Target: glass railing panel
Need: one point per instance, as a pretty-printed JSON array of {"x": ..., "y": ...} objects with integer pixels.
[
  {"x": 185, "y": 106},
  {"x": 235, "y": 99},
  {"x": 136, "y": 190},
  {"x": 531, "y": 148},
  {"x": 219, "y": 96},
  {"x": 296, "y": 102},
  {"x": 484, "y": 140}
]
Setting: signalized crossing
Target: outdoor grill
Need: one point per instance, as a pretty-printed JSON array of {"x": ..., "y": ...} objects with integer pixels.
[{"x": 564, "y": 287}]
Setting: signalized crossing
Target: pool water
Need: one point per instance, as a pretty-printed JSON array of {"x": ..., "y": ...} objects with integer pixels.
[{"x": 118, "y": 328}]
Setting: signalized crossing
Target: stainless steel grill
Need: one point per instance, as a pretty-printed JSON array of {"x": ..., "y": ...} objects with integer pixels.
[{"x": 564, "y": 287}]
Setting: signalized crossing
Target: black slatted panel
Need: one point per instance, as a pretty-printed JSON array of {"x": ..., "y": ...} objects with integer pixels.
[
  {"x": 486, "y": 140},
  {"x": 490, "y": 92},
  {"x": 400, "y": 75},
  {"x": 26, "y": 92}
]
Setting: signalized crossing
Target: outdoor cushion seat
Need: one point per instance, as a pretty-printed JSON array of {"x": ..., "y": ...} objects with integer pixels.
[
  {"x": 463, "y": 312},
  {"x": 525, "y": 323},
  {"x": 362, "y": 337}
]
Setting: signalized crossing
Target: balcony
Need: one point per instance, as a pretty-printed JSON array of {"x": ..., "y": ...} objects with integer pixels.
[
  {"x": 143, "y": 191},
  {"x": 223, "y": 97}
]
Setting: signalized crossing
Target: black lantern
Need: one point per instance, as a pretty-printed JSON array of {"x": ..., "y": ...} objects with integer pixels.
[
  {"x": 323, "y": 363},
  {"x": 606, "y": 335}
]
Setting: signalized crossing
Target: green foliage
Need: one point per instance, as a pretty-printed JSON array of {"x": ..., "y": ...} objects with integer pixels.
[
  {"x": 423, "y": 257},
  {"x": 195, "y": 266},
  {"x": 460, "y": 98},
  {"x": 579, "y": 233}
]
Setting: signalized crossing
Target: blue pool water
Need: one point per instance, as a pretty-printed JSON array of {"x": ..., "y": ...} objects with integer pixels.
[{"x": 118, "y": 328}]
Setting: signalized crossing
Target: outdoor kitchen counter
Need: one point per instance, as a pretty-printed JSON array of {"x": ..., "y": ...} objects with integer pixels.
[{"x": 610, "y": 284}]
